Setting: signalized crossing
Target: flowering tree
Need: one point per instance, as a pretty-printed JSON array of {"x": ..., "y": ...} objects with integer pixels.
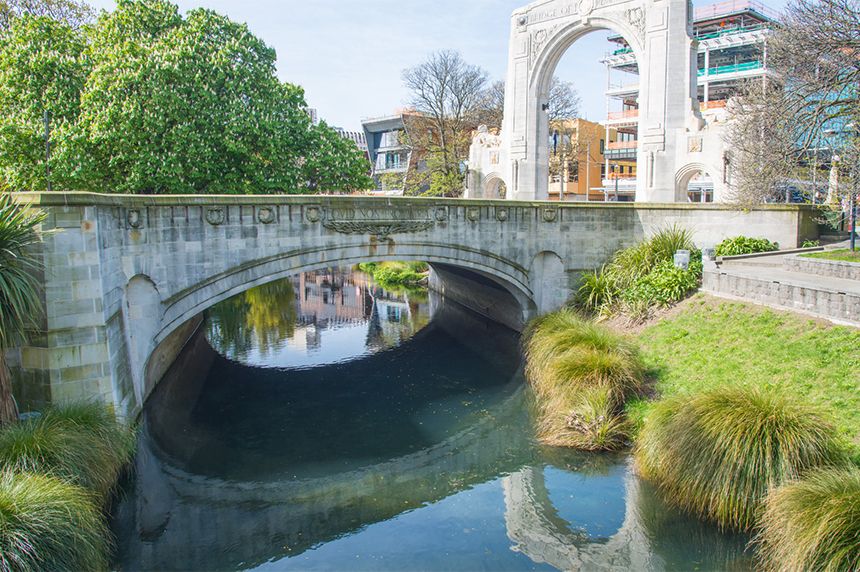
[{"x": 162, "y": 103}]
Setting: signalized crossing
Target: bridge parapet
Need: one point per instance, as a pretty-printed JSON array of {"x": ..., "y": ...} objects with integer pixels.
[{"x": 124, "y": 275}]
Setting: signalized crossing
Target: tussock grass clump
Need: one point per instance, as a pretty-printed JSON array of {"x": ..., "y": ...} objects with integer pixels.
[
  {"x": 717, "y": 454},
  {"x": 582, "y": 374},
  {"x": 49, "y": 524},
  {"x": 81, "y": 443},
  {"x": 813, "y": 523}
]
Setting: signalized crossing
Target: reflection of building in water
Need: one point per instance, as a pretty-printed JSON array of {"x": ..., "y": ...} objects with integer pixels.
[{"x": 333, "y": 298}]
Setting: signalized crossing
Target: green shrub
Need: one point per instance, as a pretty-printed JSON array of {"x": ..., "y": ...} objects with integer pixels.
[
  {"x": 82, "y": 444},
  {"x": 393, "y": 275},
  {"x": 48, "y": 524},
  {"x": 642, "y": 275},
  {"x": 813, "y": 523},
  {"x": 666, "y": 284},
  {"x": 744, "y": 245},
  {"x": 718, "y": 453},
  {"x": 810, "y": 243}
]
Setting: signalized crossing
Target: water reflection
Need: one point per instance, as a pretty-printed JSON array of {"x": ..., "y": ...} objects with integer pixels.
[
  {"x": 418, "y": 455},
  {"x": 313, "y": 319}
]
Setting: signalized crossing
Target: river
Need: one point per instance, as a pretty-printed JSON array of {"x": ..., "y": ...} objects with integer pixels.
[{"x": 323, "y": 423}]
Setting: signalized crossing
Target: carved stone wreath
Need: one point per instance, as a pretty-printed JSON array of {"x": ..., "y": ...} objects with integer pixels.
[
  {"x": 502, "y": 214},
  {"x": 473, "y": 214},
  {"x": 134, "y": 218},
  {"x": 216, "y": 216},
  {"x": 266, "y": 215},
  {"x": 382, "y": 229},
  {"x": 550, "y": 215},
  {"x": 441, "y": 214},
  {"x": 313, "y": 214}
]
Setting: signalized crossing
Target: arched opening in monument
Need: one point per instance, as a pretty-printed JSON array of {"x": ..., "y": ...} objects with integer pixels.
[
  {"x": 495, "y": 188},
  {"x": 590, "y": 155},
  {"x": 695, "y": 185}
]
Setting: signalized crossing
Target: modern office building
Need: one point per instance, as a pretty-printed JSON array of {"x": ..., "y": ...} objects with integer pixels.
[{"x": 731, "y": 41}]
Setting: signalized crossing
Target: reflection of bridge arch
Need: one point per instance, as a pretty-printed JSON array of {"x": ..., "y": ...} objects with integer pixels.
[
  {"x": 182, "y": 520},
  {"x": 538, "y": 532}
]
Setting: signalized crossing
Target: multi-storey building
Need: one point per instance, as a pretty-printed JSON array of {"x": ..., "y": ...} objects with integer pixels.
[
  {"x": 731, "y": 39},
  {"x": 390, "y": 155},
  {"x": 577, "y": 158}
]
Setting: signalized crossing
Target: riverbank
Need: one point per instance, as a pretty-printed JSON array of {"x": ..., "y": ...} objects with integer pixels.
[
  {"x": 397, "y": 275},
  {"x": 706, "y": 342},
  {"x": 742, "y": 410},
  {"x": 59, "y": 471}
]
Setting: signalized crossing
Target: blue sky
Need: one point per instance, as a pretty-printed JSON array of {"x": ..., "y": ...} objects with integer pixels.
[{"x": 349, "y": 54}]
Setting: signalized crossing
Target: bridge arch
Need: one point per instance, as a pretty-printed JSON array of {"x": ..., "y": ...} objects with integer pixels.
[{"x": 189, "y": 303}]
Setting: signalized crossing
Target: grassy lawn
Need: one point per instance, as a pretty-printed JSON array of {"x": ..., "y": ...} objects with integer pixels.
[
  {"x": 707, "y": 341},
  {"x": 844, "y": 255}
]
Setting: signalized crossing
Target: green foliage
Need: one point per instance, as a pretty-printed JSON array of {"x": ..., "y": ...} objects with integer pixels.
[
  {"x": 445, "y": 184},
  {"x": 20, "y": 304},
  {"x": 718, "y": 453},
  {"x": 581, "y": 374},
  {"x": 48, "y": 524},
  {"x": 810, "y": 243},
  {"x": 148, "y": 101},
  {"x": 813, "y": 523},
  {"x": 82, "y": 444},
  {"x": 642, "y": 276},
  {"x": 43, "y": 68},
  {"x": 744, "y": 245},
  {"x": 394, "y": 275},
  {"x": 665, "y": 284}
]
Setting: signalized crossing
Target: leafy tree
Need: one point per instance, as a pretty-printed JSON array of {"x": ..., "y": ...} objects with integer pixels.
[
  {"x": 70, "y": 12},
  {"x": 152, "y": 102},
  {"x": 43, "y": 69},
  {"x": 20, "y": 299}
]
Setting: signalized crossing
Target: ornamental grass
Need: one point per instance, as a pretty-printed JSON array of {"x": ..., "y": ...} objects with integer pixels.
[
  {"x": 82, "y": 444},
  {"x": 49, "y": 524},
  {"x": 813, "y": 523},
  {"x": 718, "y": 453},
  {"x": 582, "y": 374}
]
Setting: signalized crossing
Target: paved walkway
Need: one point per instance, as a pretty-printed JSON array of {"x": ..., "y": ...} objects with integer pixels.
[{"x": 764, "y": 280}]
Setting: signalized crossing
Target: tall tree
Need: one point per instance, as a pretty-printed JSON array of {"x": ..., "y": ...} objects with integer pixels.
[
  {"x": 20, "y": 297},
  {"x": 780, "y": 127},
  {"x": 43, "y": 68},
  {"x": 445, "y": 91},
  {"x": 149, "y": 101},
  {"x": 71, "y": 12}
]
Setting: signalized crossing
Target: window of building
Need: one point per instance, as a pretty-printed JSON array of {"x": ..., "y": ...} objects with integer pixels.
[{"x": 602, "y": 146}]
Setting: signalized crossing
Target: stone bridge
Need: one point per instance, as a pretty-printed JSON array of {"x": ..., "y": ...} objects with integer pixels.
[{"x": 127, "y": 277}]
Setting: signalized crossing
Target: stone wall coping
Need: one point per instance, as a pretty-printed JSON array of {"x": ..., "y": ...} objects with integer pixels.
[{"x": 116, "y": 200}]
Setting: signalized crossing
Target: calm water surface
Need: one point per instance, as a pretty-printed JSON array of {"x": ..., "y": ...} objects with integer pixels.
[{"x": 322, "y": 423}]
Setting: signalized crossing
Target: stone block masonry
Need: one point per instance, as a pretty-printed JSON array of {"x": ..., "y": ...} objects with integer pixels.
[{"x": 124, "y": 275}]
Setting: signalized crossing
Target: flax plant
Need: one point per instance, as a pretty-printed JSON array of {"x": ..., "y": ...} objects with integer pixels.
[{"x": 20, "y": 300}]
